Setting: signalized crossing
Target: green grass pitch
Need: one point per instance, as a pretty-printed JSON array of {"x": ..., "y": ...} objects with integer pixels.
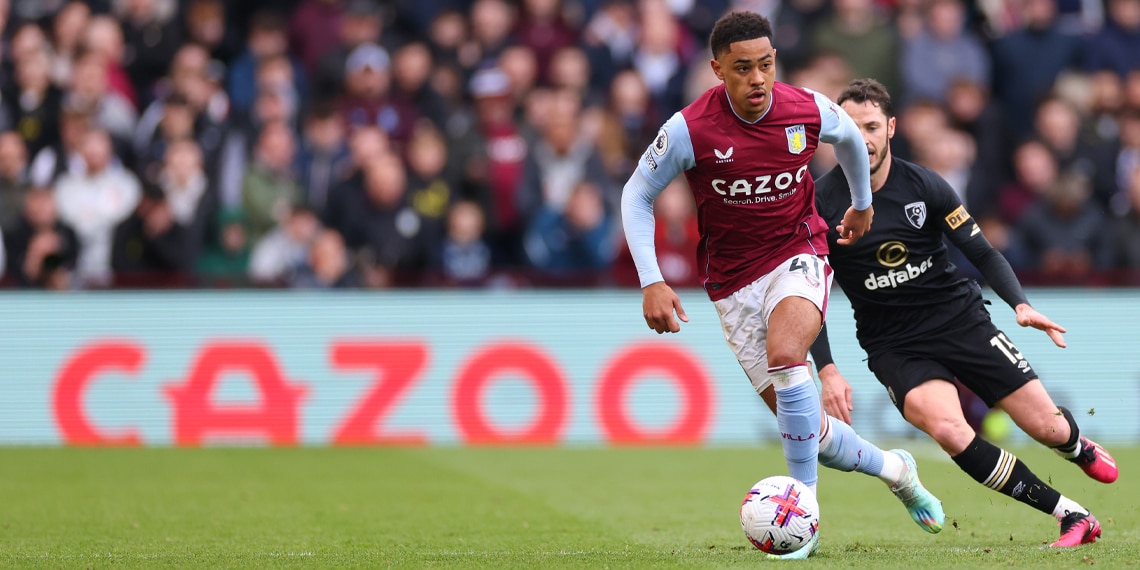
[{"x": 509, "y": 508}]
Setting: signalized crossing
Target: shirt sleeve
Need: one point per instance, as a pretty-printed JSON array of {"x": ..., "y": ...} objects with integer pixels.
[
  {"x": 965, "y": 233},
  {"x": 670, "y": 154},
  {"x": 837, "y": 128}
]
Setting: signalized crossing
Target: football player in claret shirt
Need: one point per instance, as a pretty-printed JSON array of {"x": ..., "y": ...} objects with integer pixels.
[
  {"x": 744, "y": 148},
  {"x": 922, "y": 326}
]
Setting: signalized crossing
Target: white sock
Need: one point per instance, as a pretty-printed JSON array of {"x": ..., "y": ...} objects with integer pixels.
[
  {"x": 893, "y": 468},
  {"x": 1066, "y": 506}
]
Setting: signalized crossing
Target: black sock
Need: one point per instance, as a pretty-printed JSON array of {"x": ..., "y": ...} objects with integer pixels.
[
  {"x": 1003, "y": 472},
  {"x": 1068, "y": 449}
]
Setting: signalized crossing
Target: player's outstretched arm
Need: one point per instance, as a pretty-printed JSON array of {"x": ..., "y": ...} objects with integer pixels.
[
  {"x": 836, "y": 397},
  {"x": 1027, "y": 316},
  {"x": 837, "y": 128}
]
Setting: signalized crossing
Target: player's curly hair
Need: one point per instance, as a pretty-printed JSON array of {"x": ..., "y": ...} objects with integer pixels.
[
  {"x": 738, "y": 27},
  {"x": 860, "y": 91}
]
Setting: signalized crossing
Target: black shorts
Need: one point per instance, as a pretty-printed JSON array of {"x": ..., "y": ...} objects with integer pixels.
[{"x": 979, "y": 355}]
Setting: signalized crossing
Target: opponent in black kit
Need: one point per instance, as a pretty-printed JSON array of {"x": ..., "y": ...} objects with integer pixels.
[{"x": 922, "y": 326}]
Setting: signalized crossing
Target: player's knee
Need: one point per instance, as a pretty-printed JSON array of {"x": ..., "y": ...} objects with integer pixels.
[{"x": 952, "y": 434}]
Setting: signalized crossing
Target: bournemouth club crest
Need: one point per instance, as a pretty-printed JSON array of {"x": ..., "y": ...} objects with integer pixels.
[
  {"x": 916, "y": 213},
  {"x": 797, "y": 139}
]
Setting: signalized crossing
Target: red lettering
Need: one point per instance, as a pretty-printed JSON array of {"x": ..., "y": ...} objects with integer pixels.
[
  {"x": 397, "y": 367},
  {"x": 197, "y": 418},
  {"x": 673, "y": 363},
  {"x": 72, "y": 382},
  {"x": 529, "y": 363}
]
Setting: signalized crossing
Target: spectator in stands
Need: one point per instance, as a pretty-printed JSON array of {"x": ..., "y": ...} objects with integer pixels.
[
  {"x": 110, "y": 110},
  {"x": 278, "y": 255},
  {"x": 206, "y": 26},
  {"x": 67, "y": 30},
  {"x": 1034, "y": 169},
  {"x": 1115, "y": 46},
  {"x": 177, "y": 122},
  {"x": 267, "y": 38},
  {"x": 27, "y": 39},
  {"x": 94, "y": 203},
  {"x": 314, "y": 30},
  {"x": 629, "y": 124},
  {"x": 276, "y": 97},
  {"x": 270, "y": 188},
  {"x": 858, "y": 32},
  {"x": 577, "y": 237},
  {"x": 918, "y": 121},
  {"x": 327, "y": 265},
  {"x": 1018, "y": 86},
  {"x": 1132, "y": 89},
  {"x": 39, "y": 243},
  {"x": 1127, "y": 158},
  {"x": 521, "y": 67},
  {"x": 465, "y": 257},
  {"x": 1126, "y": 229},
  {"x": 366, "y": 144},
  {"x": 151, "y": 36},
  {"x": 610, "y": 39},
  {"x": 431, "y": 188},
  {"x": 657, "y": 58},
  {"x": 1105, "y": 101},
  {"x": 368, "y": 98},
  {"x": 63, "y": 156},
  {"x": 570, "y": 70},
  {"x": 1058, "y": 124},
  {"x": 412, "y": 65},
  {"x": 495, "y": 160},
  {"x": 945, "y": 50},
  {"x": 33, "y": 103},
  {"x": 192, "y": 200},
  {"x": 323, "y": 158},
  {"x": 562, "y": 159},
  {"x": 450, "y": 38},
  {"x": 149, "y": 247},
  {"x": 388, "y": 237},
  {"x": 225, "y": 260},
  {"x": 1064, "y": 235},
  {"x": 104, "y": 36},
  {"x": 970, "y": 110},
  {"x": 492, "y": 24},
  {"x": 14, "y": 180},
  {"x": 542, "y": 28},
  {"x": 362, "y": 24}
]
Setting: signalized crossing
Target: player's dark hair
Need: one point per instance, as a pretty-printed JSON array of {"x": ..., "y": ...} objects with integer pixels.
[
  {"x": 738, "y": 27},
  {"x": 860, "y": 91}
]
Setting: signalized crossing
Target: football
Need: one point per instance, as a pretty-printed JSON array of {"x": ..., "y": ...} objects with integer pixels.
[{"x": 779, "y": 515}]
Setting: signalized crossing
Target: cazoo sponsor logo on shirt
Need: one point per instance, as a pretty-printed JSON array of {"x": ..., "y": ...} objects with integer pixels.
[{"x": 745, "y": 191}]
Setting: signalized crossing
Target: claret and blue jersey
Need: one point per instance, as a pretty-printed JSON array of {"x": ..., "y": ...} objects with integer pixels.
[{"x": 750, "y": 180}]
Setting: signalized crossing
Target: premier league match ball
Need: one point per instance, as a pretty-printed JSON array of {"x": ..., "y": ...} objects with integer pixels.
[{"x": 779, "y": 515}]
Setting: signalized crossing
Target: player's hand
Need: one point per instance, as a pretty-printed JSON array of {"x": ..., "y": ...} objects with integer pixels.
[
  {"x": 836, "y": 397},
  {"x": 658, "y": 304},
  {"x": 1029, "y": 317},
  {"x": 855, "y": 223}
]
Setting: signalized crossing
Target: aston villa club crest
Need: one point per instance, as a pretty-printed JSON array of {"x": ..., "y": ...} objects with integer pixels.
[
  {"x": 916, "y": 213},
  {"x": 797, "y": 139}
]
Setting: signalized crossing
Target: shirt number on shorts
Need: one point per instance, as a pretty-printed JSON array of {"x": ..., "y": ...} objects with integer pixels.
[
  {"x": 1007, "y": 348},
  {"x": 813, "y": 268}
]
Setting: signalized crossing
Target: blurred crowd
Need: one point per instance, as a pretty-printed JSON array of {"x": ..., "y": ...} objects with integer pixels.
[{"x": 484, "y": 143}]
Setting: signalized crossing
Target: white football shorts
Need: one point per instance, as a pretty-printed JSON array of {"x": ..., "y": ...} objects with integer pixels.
[{"x": 744, "y": 314}]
